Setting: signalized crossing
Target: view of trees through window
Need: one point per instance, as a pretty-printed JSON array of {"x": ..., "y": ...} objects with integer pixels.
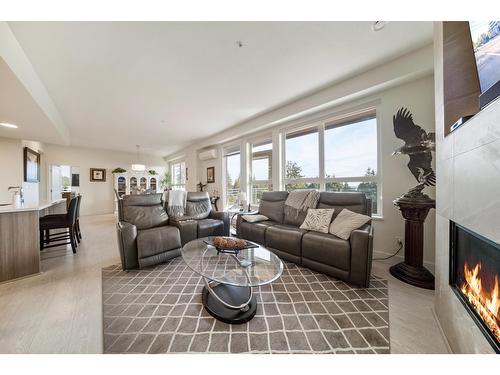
[
  {"x": 338, "y": 154},
  {"x": 350, "y": 157}
]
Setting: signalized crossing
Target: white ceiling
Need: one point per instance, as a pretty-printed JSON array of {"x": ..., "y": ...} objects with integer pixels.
[
  {"x": 164, "y": 85},
  {"x": 17, "y": 106}
]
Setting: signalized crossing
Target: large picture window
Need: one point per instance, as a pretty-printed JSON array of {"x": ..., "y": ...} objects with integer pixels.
[
  {"x": 301, "y": 170},
  {"x": 178, "y": 171},
  {"x": 262, "y": 161},
  {"x": 339, "y": 153},
  {"x": 233, "y": 174},
  {"x": 351, "y": 155}
]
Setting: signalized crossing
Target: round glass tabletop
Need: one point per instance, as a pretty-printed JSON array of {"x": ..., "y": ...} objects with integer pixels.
[{"x": 251, "y": 267}]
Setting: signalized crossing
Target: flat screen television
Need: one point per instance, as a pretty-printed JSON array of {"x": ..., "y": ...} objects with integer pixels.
[{"x": 486, "y": 42}]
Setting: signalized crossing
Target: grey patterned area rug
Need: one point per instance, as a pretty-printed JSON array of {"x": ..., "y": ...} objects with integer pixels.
[{"x": 159, "y": 310}]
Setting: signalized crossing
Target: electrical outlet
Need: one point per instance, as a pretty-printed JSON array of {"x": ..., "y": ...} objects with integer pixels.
[{"x": 399, "y": 241}]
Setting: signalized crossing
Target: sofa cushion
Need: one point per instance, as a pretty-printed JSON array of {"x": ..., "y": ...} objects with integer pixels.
[
  {"x": 145, "y": 217},
  {"x": 254, "y": 218},
  {"x": 272, "y": 205},
  {"x": 157, "y": 240},
  {"x": 327, "y": 249},
  {"x": 346, "y": 222},
  {"x": 286, "y": 238},
  {"x": 318, "y": 219},
  {"x": 254, "y": 232},
  {"x": 210, "y": 227}
]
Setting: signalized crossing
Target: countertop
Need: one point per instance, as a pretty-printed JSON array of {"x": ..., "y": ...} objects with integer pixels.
[{"x": 38, "y": 206}]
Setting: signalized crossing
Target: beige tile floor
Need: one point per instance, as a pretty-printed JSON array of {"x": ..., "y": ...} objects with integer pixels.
[{"x": 59, "y": 311}]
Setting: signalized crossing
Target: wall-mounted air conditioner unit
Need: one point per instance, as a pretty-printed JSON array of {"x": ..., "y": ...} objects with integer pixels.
[{"x": 208, "y": 154}]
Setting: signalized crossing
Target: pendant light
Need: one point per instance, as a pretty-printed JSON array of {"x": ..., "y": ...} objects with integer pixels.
[{"x": 138, "y": 167}]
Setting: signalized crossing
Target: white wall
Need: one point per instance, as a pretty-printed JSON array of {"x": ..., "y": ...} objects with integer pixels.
[
  {"x": 11, "y": 169},
  {"x": 98, "y": 197},
  {"x": 418, "y": 97}
]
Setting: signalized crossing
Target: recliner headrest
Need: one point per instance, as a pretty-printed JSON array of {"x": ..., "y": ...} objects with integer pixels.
[
  {"x": 142, "y": 200},
  {"x": 195, "y": 196}
]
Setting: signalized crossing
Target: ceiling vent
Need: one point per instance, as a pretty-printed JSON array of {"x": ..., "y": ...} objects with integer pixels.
[{"x": 208, "y": 154}]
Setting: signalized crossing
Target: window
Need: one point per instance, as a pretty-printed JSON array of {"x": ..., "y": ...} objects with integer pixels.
[
  {"x": 262, "y": 162},
  {"x": 179, "y": 176},
  {"x": 340, "y": 154},
  {"x": 302, "y": 159},
  {"x": 351, "y": 155},
  {"x": 233, "y": 172}
]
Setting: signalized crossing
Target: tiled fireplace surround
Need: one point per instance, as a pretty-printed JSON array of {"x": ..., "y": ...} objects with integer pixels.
[{"x": 468, "y": 177}]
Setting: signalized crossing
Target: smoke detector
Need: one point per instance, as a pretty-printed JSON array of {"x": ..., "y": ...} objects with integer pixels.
[{"x": 379, "y": 25}]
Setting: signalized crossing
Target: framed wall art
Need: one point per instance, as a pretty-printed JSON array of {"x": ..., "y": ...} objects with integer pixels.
[
  {"x": 210, "y": 175},
  {"x": 97, "y": 175},
  {"x": 31, "y": 165}
]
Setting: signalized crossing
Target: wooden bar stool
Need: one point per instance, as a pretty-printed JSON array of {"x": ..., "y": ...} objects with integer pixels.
[{"x": 61, "y": 221}]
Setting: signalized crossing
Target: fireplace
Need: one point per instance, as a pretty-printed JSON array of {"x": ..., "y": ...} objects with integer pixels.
[{"x": 474, "y": 277}]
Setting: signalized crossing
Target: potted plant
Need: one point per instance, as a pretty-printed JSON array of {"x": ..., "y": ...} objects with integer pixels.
[
  {"x": 152, "y": 172},
  {"x": 118, "y": 170},
  {"x": 166, "y": 181}
]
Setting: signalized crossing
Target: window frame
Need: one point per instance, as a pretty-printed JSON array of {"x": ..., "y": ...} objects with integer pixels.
[
  {"x": 230, "y": 150},
  {"x": 317, "y": 180},
  {"x": 264, "y": 140},
  {"x": 351, "y": 116},
  {"x": 182, "y": 165}
]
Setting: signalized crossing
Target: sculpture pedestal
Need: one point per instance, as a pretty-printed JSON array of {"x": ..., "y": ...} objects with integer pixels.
[{"x": 414, "y": 209}]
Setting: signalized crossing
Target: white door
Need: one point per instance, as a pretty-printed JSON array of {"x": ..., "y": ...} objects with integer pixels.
[{"x": 55, "y": 189}]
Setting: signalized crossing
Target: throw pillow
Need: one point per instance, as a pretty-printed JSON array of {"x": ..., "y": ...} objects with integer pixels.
[
  {"x": 318, "y": 219},
  {"x": 254, "y": 218},
  {"x": 347, "y": 221}
]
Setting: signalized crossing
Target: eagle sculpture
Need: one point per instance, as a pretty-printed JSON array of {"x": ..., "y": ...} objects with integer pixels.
[{"x": 418, "y": 146}]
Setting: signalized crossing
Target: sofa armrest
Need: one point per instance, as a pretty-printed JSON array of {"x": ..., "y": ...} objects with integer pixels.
[
  {"x": 127, "y": 244},
  {"x": 224, "y": 216},
  {"x": 187, "y": 227},
  {"x": 361, "y": 242}
]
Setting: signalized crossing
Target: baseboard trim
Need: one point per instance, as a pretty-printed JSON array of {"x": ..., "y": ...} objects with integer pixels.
[{"x": 399, "y": 258}]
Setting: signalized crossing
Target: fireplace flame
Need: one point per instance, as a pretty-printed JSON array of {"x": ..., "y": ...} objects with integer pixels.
[{"x": 486, "y": 304}]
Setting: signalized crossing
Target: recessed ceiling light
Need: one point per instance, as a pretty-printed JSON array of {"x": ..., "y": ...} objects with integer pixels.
[
  {"x": 7, "y": 125},
  {"x": 379, "y": 25}
]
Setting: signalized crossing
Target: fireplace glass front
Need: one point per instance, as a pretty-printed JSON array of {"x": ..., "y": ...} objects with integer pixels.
[{"x": 474, "y": 274}]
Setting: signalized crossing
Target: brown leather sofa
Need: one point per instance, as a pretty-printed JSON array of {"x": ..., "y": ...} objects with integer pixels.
[
  {"x": 348, "y": 260},
  {"x": 147, "y": 236}
]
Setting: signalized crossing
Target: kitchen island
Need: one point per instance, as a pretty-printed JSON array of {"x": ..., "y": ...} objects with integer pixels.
[{"x": 20, "y": 237}]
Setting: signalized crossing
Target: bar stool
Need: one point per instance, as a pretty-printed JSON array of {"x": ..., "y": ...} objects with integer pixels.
[
  {"x": 77, "y": 219},
  {"x": 60, "y": 221}
]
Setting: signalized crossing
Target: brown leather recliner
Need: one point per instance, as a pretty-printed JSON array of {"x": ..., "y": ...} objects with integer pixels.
[
  {"x": 200, "y": 220},
  {"x": 144, "y": 236},
  {"x": 348, "y": 260}
]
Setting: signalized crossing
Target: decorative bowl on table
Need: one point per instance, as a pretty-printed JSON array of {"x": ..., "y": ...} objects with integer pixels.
[{"x": 230, "y": 245}]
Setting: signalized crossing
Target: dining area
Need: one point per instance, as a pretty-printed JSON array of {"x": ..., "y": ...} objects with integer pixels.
[{"x": 29, "y": 229}]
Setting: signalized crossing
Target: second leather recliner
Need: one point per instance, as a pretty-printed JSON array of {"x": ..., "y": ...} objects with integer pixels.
[{"x": 200, "y": 220}]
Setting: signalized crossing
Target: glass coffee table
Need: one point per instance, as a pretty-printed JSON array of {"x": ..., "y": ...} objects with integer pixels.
[{"x": 229, "y": 278}]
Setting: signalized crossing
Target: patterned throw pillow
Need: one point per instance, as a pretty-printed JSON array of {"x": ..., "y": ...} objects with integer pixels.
[
  {"x": 347, "y": 221},
  {"x": 254, "y": 218},
  {"x": 318, "y": 219}
]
